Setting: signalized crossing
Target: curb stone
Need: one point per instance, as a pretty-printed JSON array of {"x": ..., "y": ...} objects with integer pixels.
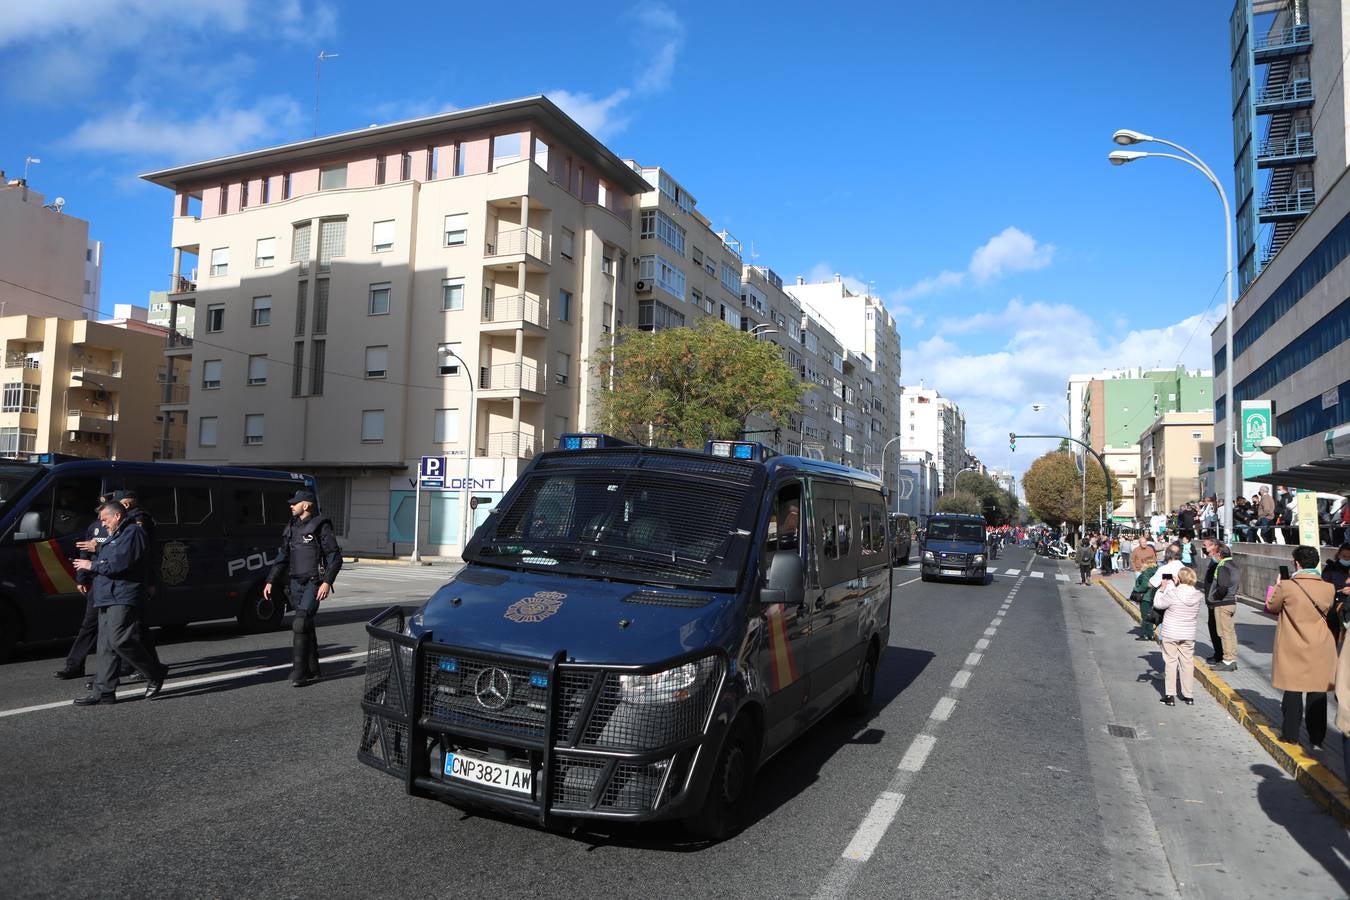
[{"x": 1321, "y": 783}]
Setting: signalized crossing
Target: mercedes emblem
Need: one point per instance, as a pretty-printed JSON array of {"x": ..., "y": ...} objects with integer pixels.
[{"x": 492, "y": 688}]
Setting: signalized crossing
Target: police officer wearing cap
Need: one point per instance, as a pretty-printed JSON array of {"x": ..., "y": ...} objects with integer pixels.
[{"x": 309, "y": 550}]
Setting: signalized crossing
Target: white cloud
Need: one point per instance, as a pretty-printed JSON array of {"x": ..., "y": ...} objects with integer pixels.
[
  {"x": 658, "y": 37},
  {"x": 91, "y": 37},
  {"x": 138, "y": 131},
  {"x": 598, "y": 115},
  {"x": 1045, "y": 343},
  {"x": 1011, "y": 250}
]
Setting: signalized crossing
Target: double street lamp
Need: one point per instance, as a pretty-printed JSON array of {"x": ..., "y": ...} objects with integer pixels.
[{"x": 1125, "y": 137}]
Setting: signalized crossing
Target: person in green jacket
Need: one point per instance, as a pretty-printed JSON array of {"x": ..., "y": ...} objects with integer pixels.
[{"x": 1144, "y": 592}]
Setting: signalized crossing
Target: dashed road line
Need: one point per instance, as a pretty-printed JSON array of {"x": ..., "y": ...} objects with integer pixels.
[
  {"x": 974, "y": 659},
  {"x": 962, "y": 679},
  {"x": 982, "y": 644},
  {"x": 943, "y": 710},
  {"x": 873, "y": 828},
  {"x": 918, "y": 751}
]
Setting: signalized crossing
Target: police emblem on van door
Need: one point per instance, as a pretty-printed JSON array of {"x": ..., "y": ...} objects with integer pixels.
[
  {"x": 173, "y": 568},
  {"x": 537, "y": 608}
]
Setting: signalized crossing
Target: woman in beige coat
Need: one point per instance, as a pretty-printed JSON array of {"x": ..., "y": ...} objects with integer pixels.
[{"x": 1305, "y": 651}]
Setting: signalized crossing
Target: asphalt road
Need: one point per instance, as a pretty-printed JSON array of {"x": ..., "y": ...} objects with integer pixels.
[{"x": 987, "y": 770}]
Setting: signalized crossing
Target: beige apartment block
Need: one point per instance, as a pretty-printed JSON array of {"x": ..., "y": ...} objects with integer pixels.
[
  {"x": 48, "y": 265},
  {"x": 1173, "y": 454},
  {"x": 432, "y": 287},
  {"x": 1124, "y": 464},
  {"x": 83, "y": 388}
]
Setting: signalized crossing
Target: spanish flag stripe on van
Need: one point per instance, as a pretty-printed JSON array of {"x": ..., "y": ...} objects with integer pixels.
[
  {"x": 780, "y": 653},
  {"x": 53, "y": 570}
]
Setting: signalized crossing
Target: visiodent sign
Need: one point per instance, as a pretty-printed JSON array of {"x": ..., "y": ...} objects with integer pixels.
[{"x": 1257, "y": 425}]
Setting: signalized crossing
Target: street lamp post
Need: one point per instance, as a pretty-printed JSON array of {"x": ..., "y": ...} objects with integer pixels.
[
  {"x": 885, "y": 448},
  {"x": 1126, "y": 137}
]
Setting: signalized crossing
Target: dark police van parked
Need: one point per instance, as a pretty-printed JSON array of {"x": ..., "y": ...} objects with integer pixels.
[
  {"x": 216, "y": 537},
  {"x": 954, "y": 546},
  {"x": 637, "y": 630}
]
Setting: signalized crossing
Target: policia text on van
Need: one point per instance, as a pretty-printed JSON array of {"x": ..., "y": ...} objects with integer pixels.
[
  {"x": 215, "y": 539},
  {"x": 636, "y": 632}
]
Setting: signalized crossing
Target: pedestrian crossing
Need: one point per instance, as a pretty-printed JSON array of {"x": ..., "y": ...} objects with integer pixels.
[{"x": 1013, "y": 573}]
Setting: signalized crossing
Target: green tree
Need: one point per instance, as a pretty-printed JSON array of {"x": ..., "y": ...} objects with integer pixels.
[
  {"x": 961, "y": 502},
  {"x": 1054, "y": 489},
  {"x": 996, "y": 505},
  {"x": 684, "y": 386}
]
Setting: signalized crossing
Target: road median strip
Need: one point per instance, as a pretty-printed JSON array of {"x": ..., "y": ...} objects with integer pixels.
[{"x": 1321, "y": 783}]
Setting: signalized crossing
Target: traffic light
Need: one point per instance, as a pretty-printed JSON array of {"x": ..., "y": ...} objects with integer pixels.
[{"x": 1012, "y": 441}]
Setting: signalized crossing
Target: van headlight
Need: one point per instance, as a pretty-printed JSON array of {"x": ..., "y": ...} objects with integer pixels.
[
  {"x": 670, "y": 686},
  {"x": 928, "y": 556},
  {"x": 977, "y": 558}
]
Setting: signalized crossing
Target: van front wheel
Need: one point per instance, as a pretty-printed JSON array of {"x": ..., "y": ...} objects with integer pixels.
[
  {"x": 860, "y": 703},
  {"x": 726, "y": 807}
]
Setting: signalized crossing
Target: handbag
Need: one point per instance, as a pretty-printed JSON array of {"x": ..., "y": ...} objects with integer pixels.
[{"x": 1330, "y": 616}]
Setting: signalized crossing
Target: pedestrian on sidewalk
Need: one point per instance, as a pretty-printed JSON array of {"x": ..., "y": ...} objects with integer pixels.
[
  {"x": 1180, "y": 602},
  {"x": 1085, "y": 557},
  {"x": 1221, "y": 588},
  {"x": 1144, "y": 556},
  {"x": 1336, "y": 572},
  {"x": 1143, "y": 594},
  {"x": 1305, "y": 651}
]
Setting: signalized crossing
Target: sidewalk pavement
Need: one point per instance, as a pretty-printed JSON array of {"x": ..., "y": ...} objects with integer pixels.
[{"x": 1255, "y": 703}]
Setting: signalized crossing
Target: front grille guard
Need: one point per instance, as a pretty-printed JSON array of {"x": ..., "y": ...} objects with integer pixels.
[{"x": 398, "y": 735}]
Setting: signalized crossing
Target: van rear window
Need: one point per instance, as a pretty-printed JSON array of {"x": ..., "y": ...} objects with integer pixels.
[{"x": 644, "y": 525}]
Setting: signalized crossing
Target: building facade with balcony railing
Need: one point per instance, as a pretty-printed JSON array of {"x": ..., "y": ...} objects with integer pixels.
[
  {"x": 432, "y": 287},
  {"x": 81, "y": 388}
]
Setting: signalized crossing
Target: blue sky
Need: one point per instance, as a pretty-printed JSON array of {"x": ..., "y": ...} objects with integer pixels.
[{"x": 955, "y": 159}]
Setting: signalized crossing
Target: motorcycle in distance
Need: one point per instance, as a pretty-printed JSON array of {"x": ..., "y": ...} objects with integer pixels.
[{"x": 1055, "y": 549}]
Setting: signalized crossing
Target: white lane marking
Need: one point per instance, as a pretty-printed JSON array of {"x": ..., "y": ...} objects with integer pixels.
[
  {"x": 962, "y": 679},
  {"x": 173, "y": 685},
  {"x": 974, "y": 659},
  {"x": 990, "y": 632},
  {"x": 1060, "y": 576},
  {"x": 1037, "y": 574},
  {"x": 996, "y": 621},
  {"x": 1013, "y": 572},
  {"x": 903, "y": 583},
  {"x": 874, "y": 826},
  {"x": 992, "y": 571},
  {"x": 982, "y": 644},
  {"x": 943, "y": 710},
  {"x": 917, "y": 754}
]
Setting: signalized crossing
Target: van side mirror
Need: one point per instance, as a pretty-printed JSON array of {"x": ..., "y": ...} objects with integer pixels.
[
  {"x": 30, "y": 527},
  {"x": 786, "y": 581}
]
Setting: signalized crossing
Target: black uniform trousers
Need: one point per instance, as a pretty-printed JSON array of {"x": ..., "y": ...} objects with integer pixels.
[
  {"x": 85, "y": 639},
  {"x": 1214, "y": 640},
  {"x": 119, "y": 641},
  {"x": 305, "y": 645}
]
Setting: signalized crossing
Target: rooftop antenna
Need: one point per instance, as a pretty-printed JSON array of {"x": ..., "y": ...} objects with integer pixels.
[
  {"x": 29, "y": 161},
  {"x": 318, "y": 69}
]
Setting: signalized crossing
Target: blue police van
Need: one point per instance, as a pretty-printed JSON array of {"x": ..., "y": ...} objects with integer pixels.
[
  {"x": 217, "y": 535},
  {"x": 636, "y": 631}
]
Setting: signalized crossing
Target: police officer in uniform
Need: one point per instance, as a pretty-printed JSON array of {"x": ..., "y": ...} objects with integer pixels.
[
  {"x": 309, "y": 550},
  {"x": 87, "y": 637},
  {"x": 139, "y": 517}
]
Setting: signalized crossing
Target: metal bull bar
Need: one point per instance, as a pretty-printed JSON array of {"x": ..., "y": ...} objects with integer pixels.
[{"x": 588, "y": 740}]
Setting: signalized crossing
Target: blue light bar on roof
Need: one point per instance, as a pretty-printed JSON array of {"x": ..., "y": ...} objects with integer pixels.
[
  {"x": 749, "y": 450},
  {"x": 589, "y": 442}
]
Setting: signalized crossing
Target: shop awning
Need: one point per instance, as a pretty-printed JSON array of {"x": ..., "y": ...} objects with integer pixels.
[{"x": 1329, "y": 474}]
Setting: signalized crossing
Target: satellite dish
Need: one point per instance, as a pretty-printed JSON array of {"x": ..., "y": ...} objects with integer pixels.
[{"x": 59, "y": 203}]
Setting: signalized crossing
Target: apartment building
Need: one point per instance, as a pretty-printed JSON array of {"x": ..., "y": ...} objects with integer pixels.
[
  {"x": 431, "y": 287},
  {"x": 1291, "y": 326},
  {"x": 1124, "y": 464},
  {"x": 913, "y": 482},
  {"x": 48, "y": 265},
  {"x": 771, "y": 314},
  {"x": 1117, "y": 409},
  {"x": 82, "y": 388},
  {"x": 1173, "y": 453},
  {"x": 934, "y": 424}
]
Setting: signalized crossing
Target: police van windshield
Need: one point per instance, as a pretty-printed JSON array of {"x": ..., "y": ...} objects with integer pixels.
[
  {"x": 14, "y": 478},
  {"x": 640, "y": 525},
  {"x": 947, "y": 530}
]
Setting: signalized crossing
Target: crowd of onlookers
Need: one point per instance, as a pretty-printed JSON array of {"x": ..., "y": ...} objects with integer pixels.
[
  {"x": 1269, "y": 517},
  {"x": 1177, "y": 579}
]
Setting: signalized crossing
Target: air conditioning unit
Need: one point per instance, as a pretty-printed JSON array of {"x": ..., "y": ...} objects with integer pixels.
[{"x": 642, "y": 286}]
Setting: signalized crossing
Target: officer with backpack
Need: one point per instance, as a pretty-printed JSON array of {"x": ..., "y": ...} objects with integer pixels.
[{"x": 310, "y": 555}]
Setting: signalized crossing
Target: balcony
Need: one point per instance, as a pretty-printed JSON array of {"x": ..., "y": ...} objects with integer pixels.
[
  {"x": 510, "y": 380},
  {"x": 1279, "y": 42},
  {"x": 92, "y": 373},
  {"x": 1286, "y": 206},
  {"x": 1288, "y": 152},
  {"x": 517, "y": 245},
  {"x": 22, "y": 368},
  {"x": 170, "y": 450},
  {"x": 173, "y": 393},
  {"x": 514, "y": 311},
  {"x": 178, "y": 344},
  {"x": 90, "y": 422},
  {"x": 178, "y": 284},
  {"x": 511, "y": 445},
  {"x": 1291, "y": 95}
]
